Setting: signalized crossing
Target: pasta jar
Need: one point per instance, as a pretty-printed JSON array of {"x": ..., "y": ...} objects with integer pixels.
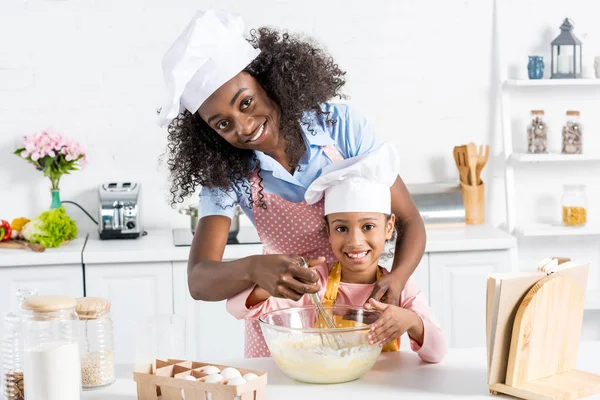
[
  {"x": 537, "y": 133},
  {"x": 96, "y": 343},
  {"x": 51, "y": 364},
  {"x": 574, "y": 204},
  {"x": 12, "y": 350},
  {"x": 571, "y": 134}
]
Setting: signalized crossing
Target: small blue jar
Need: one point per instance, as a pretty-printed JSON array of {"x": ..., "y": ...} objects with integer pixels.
[{"x": 535, "y": 67}]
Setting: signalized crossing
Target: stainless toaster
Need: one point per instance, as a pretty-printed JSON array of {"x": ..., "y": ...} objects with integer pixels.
[{"x": 119, "y": 211}]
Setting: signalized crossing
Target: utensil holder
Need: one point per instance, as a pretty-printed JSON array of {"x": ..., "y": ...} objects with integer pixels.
[
  {"x": 474, "y": 201},
  {"x": 165, "y": 380}
]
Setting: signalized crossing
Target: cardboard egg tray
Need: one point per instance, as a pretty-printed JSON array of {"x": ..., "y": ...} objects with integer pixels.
[{"x": 165, "y": 381}]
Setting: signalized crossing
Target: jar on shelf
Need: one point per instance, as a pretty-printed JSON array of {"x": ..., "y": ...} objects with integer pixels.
[
  {"x": 96, "y": 343},
  {"x": 12, "y": 350},
  {"x": 574, "y": 205},
  {"x": 51, "y": 368},
  {"x": 537, "y": 133},
  {"x": 571, "y": 134}
]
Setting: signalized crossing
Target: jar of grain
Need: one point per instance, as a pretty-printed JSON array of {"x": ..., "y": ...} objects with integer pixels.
[
  {"x": 537, "y": 133},
  {"x": 574, "y": 205},
  {"x": 51, "y": 368},
  {"x": 12, "y": 350},
  {"x": 96, "y": 342},
  {"x": 571, "y": 134}
]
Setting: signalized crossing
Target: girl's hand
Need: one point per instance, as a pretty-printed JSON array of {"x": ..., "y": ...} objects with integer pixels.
[
  {"x": 393, "y": 323},
  {"x": 282, "y": 275}
]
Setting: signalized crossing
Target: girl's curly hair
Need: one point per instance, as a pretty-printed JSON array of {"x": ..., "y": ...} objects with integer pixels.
[{"x": 296, "y": 73}]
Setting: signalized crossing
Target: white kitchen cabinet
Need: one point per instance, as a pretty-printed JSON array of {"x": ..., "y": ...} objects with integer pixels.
[
  {"x": 65, "y": 280},
  {"x": 212, "y": 333},
  {"x": 458, "y": 292},
  {"x": 136, "y": 291}
]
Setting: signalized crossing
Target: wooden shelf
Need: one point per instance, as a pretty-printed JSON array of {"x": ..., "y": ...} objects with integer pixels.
[
  {"x": 551, "y": 82},
  {"x": 553, "y": 157},
  {"x": 545, "y": 230}
]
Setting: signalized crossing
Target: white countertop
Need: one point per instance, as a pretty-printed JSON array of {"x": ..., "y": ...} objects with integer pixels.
[
  {"x": 158, "y": 246},
  {"x": 468, "y": 238},
  {"x": 69, "y": 253},
  {"x": 401, "y": 375}
]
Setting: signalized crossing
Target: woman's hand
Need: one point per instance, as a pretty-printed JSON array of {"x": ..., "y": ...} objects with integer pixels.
[
  {"x": 393, "y": 323},
  {"x": 388, "y": 289},
  {"x": 283, "y": 275}
]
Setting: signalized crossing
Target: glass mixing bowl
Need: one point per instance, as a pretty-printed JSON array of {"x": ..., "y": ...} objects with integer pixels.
[{"x": 314, "y": 355}]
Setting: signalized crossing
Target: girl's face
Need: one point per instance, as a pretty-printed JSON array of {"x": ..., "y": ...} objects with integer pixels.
[
  {"x": 241, "y": 112},
  {"x": 358, "y": 239}
]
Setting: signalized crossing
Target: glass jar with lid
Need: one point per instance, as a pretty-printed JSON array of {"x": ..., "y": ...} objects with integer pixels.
[
  {"x": 96, "y": 343},
  {"x": 12, "y": 350},
  {"x": 51, "y": 368},
  {"x": 571, "y": 134},
  {"x": 574, "y": 205},
  {"x": 537, "y": 133}
]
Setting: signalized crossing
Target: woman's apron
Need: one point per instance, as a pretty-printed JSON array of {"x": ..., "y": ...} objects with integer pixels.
[
  {"x": 285, "y": 227},
  {"x": 331, "y": 292}
]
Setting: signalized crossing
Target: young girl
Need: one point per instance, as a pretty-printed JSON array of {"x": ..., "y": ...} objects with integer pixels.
[{"x": 359, "y": 222}]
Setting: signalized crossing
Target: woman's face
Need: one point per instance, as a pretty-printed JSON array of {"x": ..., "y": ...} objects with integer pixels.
[
  {"x": 358, "y": 239},
  {"x": 241, "y": 112}
]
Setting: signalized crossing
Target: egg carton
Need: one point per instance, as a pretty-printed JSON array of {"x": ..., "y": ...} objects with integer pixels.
[{"x": 169, "y": 380}]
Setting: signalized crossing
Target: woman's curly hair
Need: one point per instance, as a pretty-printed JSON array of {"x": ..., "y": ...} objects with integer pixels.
[{"x": 296, "y": 73}]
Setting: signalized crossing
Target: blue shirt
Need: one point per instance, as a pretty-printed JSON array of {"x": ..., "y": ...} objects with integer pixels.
[{"x": 351, "y": 134}]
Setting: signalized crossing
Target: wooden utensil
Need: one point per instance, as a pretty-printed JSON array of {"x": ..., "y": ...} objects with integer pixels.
[
  {"x": 22, "y": 244},
  {"x": 482, "y": 158},
  {"x": 472, "y": 162},
  {"x": 460, "y": 158}
]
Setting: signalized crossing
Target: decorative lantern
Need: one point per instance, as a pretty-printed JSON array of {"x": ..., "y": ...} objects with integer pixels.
[{"x": 566, "y": 53}]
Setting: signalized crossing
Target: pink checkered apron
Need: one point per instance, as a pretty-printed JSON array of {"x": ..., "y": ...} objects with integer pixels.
[{"x": 285, "y": 227}]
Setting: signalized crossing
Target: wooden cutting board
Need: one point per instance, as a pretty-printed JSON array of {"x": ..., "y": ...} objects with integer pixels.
[
  {"x": 526, "y": 347},
  {"x": 546, "y": 331},
  {"x": 22, "y": 244}
]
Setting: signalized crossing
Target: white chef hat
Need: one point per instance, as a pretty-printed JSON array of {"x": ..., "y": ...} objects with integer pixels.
[
  {"x": 357, "y": 184},
  {"x": 209, "y": 52}
]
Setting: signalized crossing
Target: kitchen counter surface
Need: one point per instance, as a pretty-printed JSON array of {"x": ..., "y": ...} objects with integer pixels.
[
  {"x": 462, "y": 374},
  {"x": 158, "y": 246},
  {"x": 69, "y": 253}
]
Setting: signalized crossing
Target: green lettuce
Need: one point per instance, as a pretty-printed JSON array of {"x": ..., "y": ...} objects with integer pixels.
[{"x": 50, "y": 228}]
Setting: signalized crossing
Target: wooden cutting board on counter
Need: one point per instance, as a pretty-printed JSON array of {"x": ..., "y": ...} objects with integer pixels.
[
  {"x": 533, "y": 332},
  {"x": 22, "y": 244}
]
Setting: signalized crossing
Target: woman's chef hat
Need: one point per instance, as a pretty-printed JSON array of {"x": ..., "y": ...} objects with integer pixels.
[
  {"x": 209, "y": 52},
  {"x": 357, "y": 184}
]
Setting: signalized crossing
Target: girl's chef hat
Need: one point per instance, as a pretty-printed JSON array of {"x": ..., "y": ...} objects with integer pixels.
[
  {"x": 209, "y": 52},
  {"x": 357, "y": 184}
]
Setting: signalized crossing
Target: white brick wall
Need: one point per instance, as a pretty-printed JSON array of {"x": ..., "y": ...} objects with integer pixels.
[{"x": 422, "y": 71}]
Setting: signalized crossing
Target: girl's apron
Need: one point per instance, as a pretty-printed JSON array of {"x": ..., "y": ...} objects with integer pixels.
[
  {"x": 285, "y": 227},
  {"x": 331, "y": 292}
]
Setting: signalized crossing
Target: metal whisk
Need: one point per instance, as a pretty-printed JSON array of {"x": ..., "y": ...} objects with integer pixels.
[{"x": 330, "y": 340}]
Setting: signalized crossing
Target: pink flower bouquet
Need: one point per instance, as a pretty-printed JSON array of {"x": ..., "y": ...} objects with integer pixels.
[{"x": 53, "y": 154}]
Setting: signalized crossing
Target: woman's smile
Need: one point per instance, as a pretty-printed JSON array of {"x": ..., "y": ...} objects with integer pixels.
[{"x": 260, "y": 135}]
